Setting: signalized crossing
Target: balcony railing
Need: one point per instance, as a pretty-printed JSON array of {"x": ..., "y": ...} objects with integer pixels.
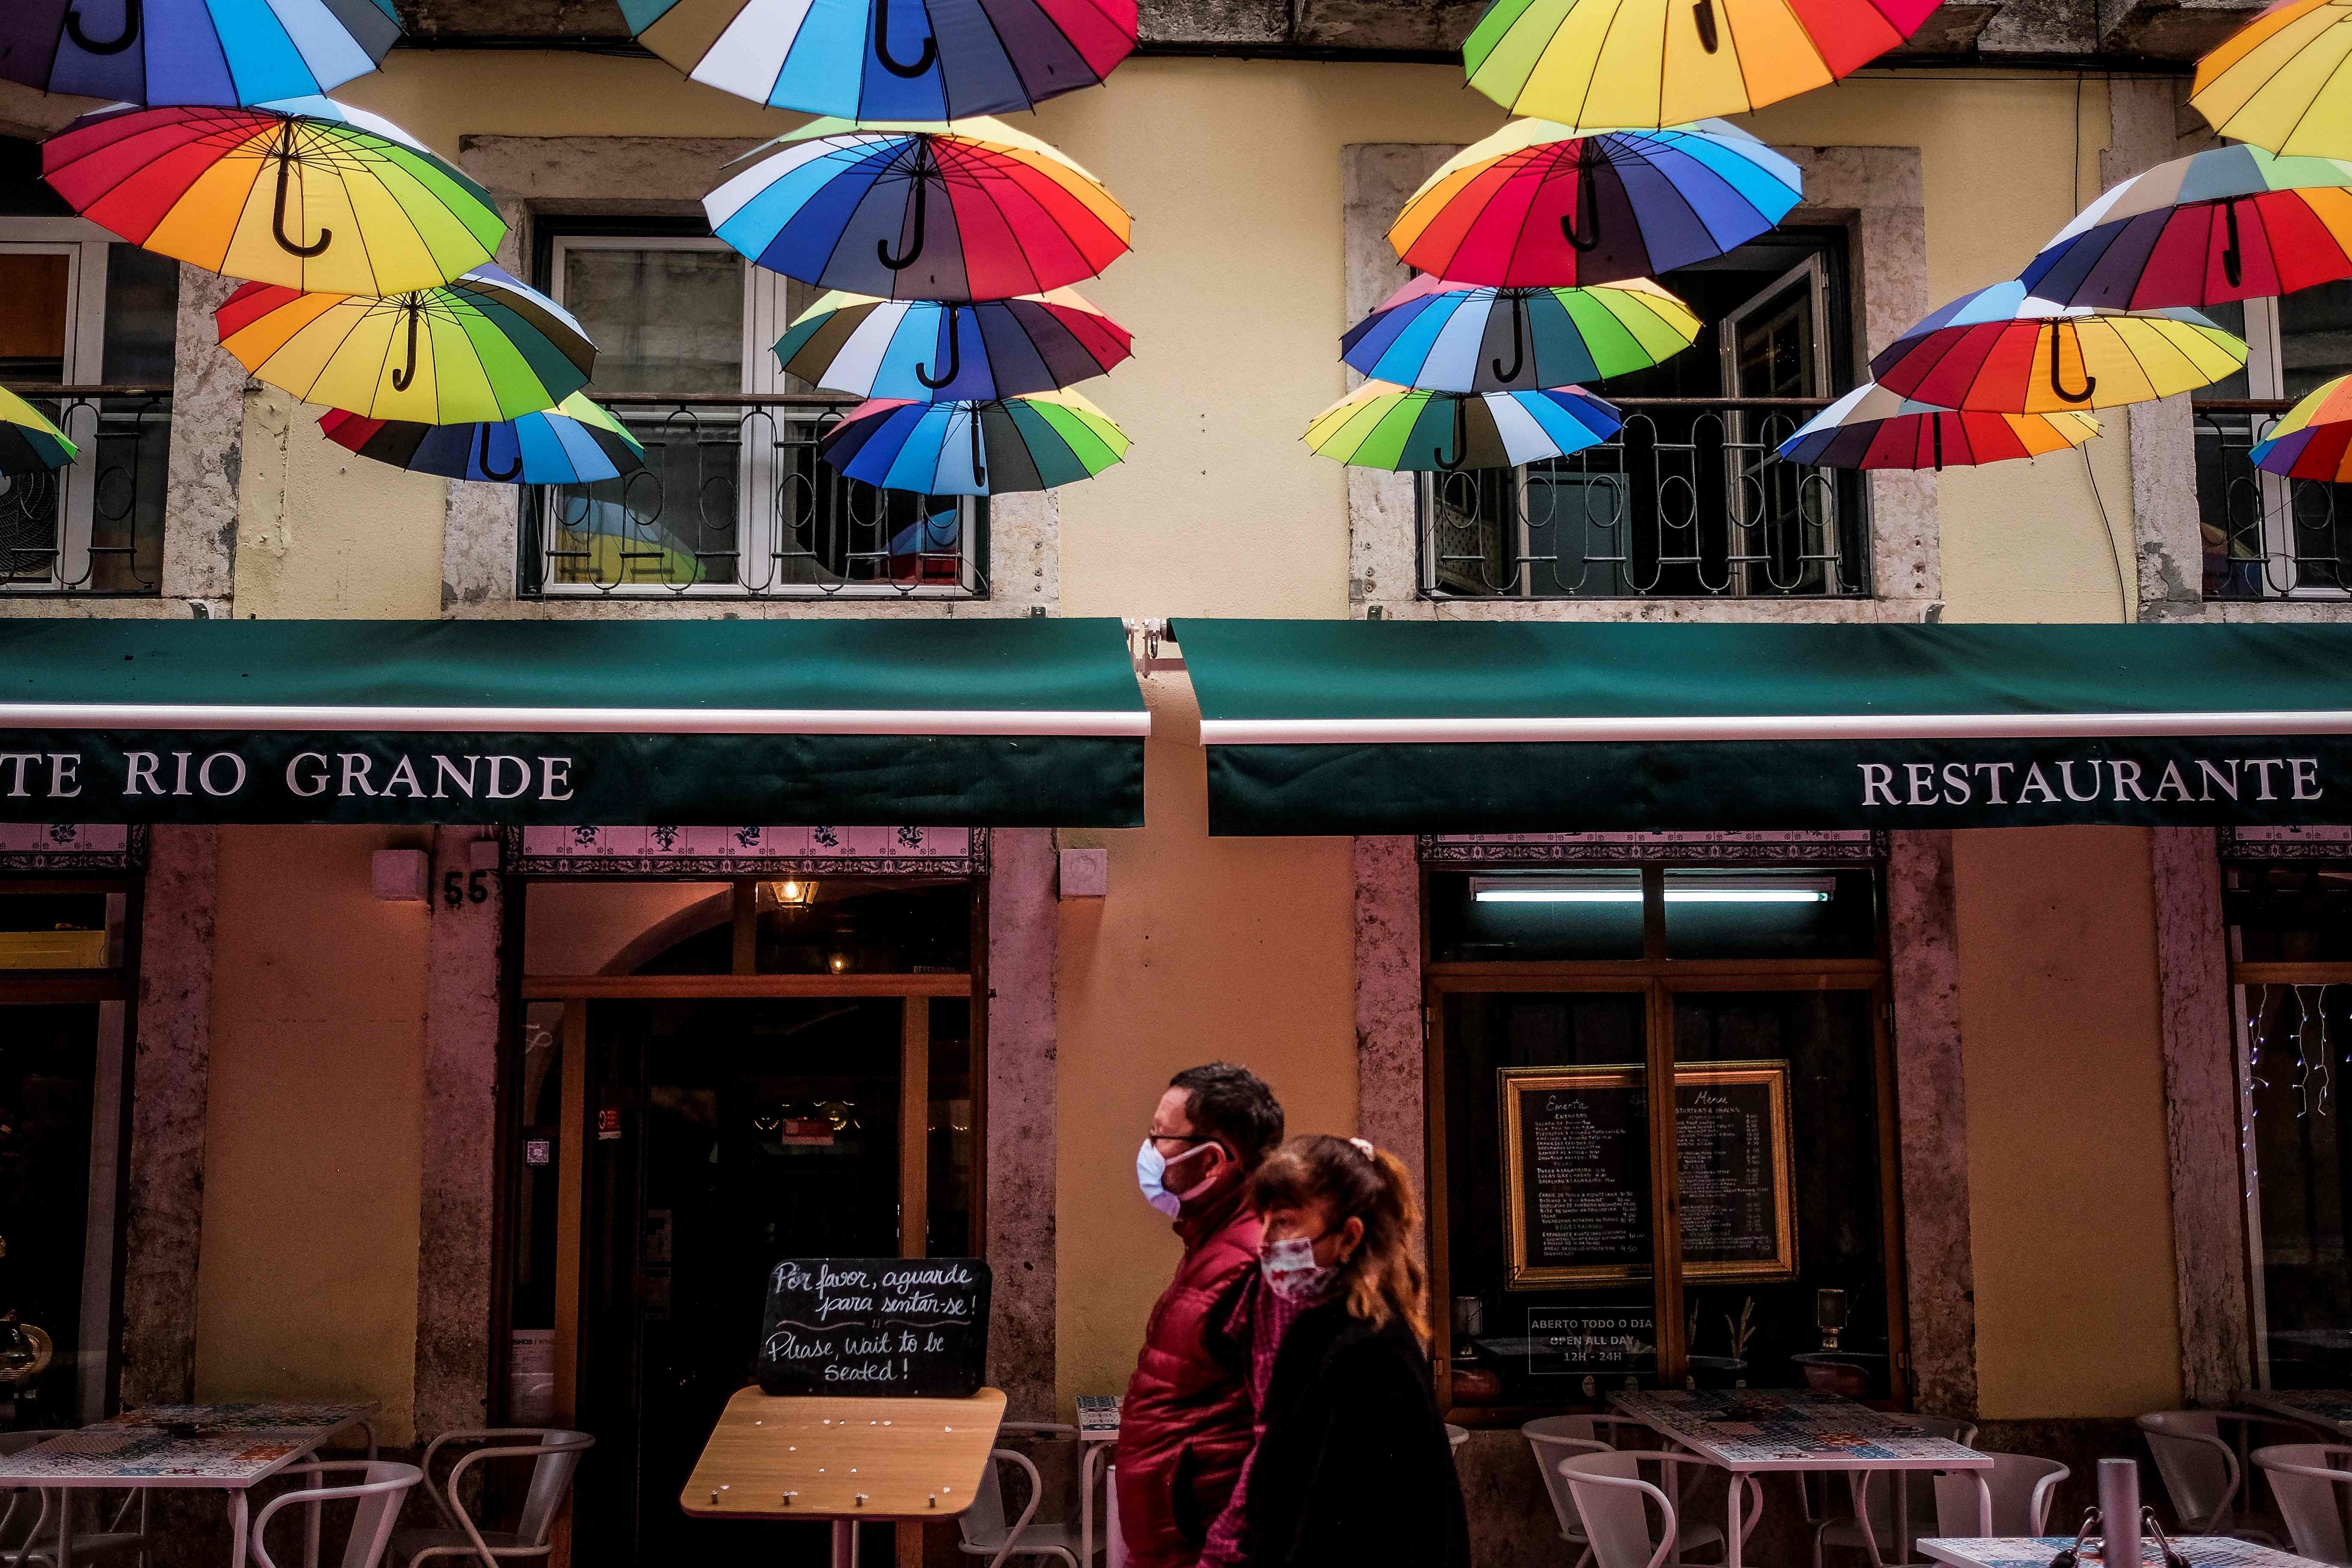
[
  {"x": 1688, "y": 501},
  {"x": 733, "y": 501},
  {"x": 2264, "y": 537},
  {"x": 96, "y": 526}
]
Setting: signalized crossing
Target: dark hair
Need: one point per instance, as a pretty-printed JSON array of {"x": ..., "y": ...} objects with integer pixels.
[
  {"x": 1233, "y": 1103},
  {"x": 1382, "y": 1278}
]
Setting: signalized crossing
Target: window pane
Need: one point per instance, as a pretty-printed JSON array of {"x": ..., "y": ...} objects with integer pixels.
[
  {"x": 1772, "y": 914},
  {"x": 2296, "y": 913},
  {"x": 1535, "y": 915},
  {"x": 662, "y": 319},
  {"x": 866, "y": 928},
  {"x": 2294, "y": 1036},
  {"x": 952, "y": 1133},
  {"x": 36, "y": 286},
  {"x": 2314, "y": 336},
  {"x": 48, "y": 1079},
  {"x": 56, "y": 931},
  {"x": 142, "y": 310}
]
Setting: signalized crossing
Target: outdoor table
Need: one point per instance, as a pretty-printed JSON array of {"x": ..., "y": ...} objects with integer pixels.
[
  {"x": 1098, "y": 1432},
  {"x": 2036, "y": 1551},
  {"x": 1753, "y": 1431},
  {"x": 2325, "y": 1407},
  {"x": 213, "y": 1448}
]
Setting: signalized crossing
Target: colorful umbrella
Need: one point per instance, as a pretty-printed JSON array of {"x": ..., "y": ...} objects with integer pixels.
[
  {"x": 192, "y": 51},
  {"x": 1442, "y": 337},
  {"x": 574, "y": 442},
  {"x": 2314, "y": 441},
  {"x": 1871, "y": 427},
  {"x": 1640, "y": 62},
  {"x": 1031, "y": 443},
  {"x": 2273, "y": 82},
  {"x": 1540, "y": 205},
  {"x": 2235, "y": 223},
  {"x": 1382, "y": 427},
  {"x": 2004, "y": 351},
  {"x": 481, "y": 348},
  {"x": 29, "y": 444},
  {"x": 304, "y": 193},
  {"x": 975, "y": 210},
  {"x": 925, "y": 351},
  {"x": 871, "y": 59}
]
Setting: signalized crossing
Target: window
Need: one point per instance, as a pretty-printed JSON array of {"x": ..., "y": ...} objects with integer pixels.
[
  {"x": 1557, "y": 1000},
  {"x": 2267, "y": 537},
  {"x": 733, "y": 499},
  {"x": 1689, "y": 500}
]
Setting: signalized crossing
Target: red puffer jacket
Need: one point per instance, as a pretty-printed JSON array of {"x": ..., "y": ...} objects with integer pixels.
[{"x": 1187, "y": 1424}]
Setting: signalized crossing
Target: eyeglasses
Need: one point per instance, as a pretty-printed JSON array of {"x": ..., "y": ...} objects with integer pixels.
[{"x": 1180, "y": 1137}]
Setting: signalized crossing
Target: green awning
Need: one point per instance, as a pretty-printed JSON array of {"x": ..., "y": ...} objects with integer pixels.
[
  {"x": 1486, "y": 726},
  {"x": 1009, "y": 723}
]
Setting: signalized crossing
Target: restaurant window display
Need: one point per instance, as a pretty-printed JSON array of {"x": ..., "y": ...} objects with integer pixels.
[{"x": 1561, "y": 998}]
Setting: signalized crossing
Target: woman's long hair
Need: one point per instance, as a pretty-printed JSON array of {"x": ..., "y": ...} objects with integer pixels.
[{"x": 1383, "y": 1279}]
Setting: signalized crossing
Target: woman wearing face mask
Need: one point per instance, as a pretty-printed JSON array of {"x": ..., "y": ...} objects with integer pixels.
[{"x": 1351, "y": 1466}]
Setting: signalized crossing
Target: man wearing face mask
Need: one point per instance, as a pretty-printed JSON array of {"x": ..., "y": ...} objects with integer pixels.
[{"x": 1187, "y": 1423}]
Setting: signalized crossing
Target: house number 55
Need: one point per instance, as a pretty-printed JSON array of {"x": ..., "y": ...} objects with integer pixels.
[{"x": 465, "y": 888}]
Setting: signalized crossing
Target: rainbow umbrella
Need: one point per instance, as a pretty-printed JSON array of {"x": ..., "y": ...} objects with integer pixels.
[
  {"x": 1382, "y": 427},
  {"x": 1442, "y": 337},
  {"x": 2314, "y": 441},
  {"x": 1871, "y": 427},
  {"x": 303, "y": 193},
  {"x": 2004, "y": 351},
  {"x": 480, "y": 348},
  {"x": 192, "y": 51},
  {"x": 574, "y": 442},
  {"x": 1655, "y": 62},
  {"x": 993, "y": 448},
  {"x": 973, "y": 210},
  {"x": 2274, "y": 81},
  {"x": 872, "y": 59},
  {"x": 2235, "y": 223},
  {"x": 1538, "y": 205},
  {"x": 29, "y": 444},
  {"x": 925, "y": 351}
]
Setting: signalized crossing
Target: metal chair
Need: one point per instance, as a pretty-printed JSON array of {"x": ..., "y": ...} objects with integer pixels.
[
  {"x": 1609, "y": 1495},
  {"x": 2023, "y": 1489},
  {"x": 2310, "y": 1484},
  {"x": 1557, "y": 1438},
  {"x": 981, "y": 1529},
  {"x": 1874, "y": 1516},
  {"x": 379, "y": 1493},
  {"x": 1455, "y": 1437},
  {"x": 554, "y": 1455},
  {"x": 2200, "y": 1470},
  {"x": 27, "y": 1513}
]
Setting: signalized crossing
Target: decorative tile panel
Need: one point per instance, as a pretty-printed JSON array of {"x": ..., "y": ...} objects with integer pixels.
[
  {"x": 2314, "y": 843},
  {"x": 1827, "y": 846},
  {"x": 72, "y": 847},
  {"x": 623, "y": 850}
]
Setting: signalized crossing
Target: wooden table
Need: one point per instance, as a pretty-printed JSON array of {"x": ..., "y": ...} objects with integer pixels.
[
  {"x": 2036, "y": 1551},
  {"x": 1750, "y": 1432},
  {"x": 2328, "y": 1408},
  {"x": 198, "y": 1448}
]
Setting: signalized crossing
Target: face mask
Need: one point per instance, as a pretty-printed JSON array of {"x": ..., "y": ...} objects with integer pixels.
[
  {"x": 1151, "y": 1177},
  {"x": 1291, "y": 1273}
]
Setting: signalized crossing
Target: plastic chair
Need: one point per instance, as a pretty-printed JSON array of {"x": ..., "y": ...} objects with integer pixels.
[
  {"x": 981, "y": 1529},
  {"x": 554, "y": 1455},
  {"x": 25, "y": 1514},
  {"x": 379, "y": 1491},
  {"x": 1455, "y": 1437},
  {"x": 1609, "y": 1495},
  {"x": 2200, "y": 1470},
  {"x": 2309, "y": 1482},
  {"x": 1873, "y": 1519},
  {"x": 1557, "y": 1438},
  {"x": 2023, "y": 1489}
]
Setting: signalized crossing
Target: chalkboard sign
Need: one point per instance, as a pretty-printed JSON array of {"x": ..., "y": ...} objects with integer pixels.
[
  {"x": 916, "y": 1327},
  {"x": 1731, "y": 1127}
]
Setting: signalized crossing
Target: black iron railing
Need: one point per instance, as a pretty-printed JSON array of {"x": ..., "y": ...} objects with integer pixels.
[
  {"x": 2264, "y": 537},
  {"x": 96, "y": 526}
]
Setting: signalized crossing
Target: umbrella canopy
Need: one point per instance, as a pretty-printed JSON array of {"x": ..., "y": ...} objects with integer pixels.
[
  {"x": 29, "y": 444},
  {"x": 890, "y": 59},
  {"x": 925, "y": 351},
  {"x": 975, "y": 210},
  {"x": 2273, "y": 81},
  {"x": 303, "y": 193},
  {"x": 481, "y": 348},
  {"x": 574, "y": 442},
  {"x": 994, "y": 448},
  {"x": 1442, "y": 337},
  {"x": 1537, "y": 205},
  {"x": 2235, "y": 223},
  {"x": 1382, "y": 427},
  {"x": 1871, "y": 427},
  {"x": 1656, "y": 62},
  {"x": 2314, "y": 441},
  {"x": 192, "y": 51},
  {"x": 2004, "y": 351}
]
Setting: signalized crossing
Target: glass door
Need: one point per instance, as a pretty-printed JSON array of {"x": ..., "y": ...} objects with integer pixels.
[{"x": 1783, "y": 529}]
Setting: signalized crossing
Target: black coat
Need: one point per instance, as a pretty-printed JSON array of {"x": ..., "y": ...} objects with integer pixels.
[{"x": 1353, "y": 1470}]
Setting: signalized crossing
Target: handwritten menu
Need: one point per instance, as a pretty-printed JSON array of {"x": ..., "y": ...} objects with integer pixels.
[
  {"x": 875, "y": 1326},
  {"x": 1731, "y": 1201},
  {"x": 1584, "y": 1171}
]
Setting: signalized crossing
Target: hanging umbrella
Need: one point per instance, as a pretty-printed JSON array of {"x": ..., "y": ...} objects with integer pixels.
[
  {"x": 2314, "y": 440},
  {"x": 481, "y": 348},
  {"x": 1031, "y": 443},
  {"x": 192, "y": 51},
  {"x": 872, "y": 59},
  {"x": 574, "y": 442},
  {"x": 29, "y": 444},
  {"x": 1871, "y": 427},
  {"x": 1650, "y": 62},
  {"x": 303, "y": 193},
  {"x": 931, "y": 352},
  {"x": 1442, "y": 337},
  {"x": 2004, "y": 351},
  {"x": 2273, "y": 82},
  {"x": 1382, "y": 427},
  {"x": 2235, "y": 223},
  {"x": 1537, "y": 205},
  {"x": 974, "y": 210}
]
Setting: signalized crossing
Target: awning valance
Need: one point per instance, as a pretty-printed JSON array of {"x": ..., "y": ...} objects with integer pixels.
[
  {"x": 1010, "y": 722},
  {"x": 1464, "y": 726}
]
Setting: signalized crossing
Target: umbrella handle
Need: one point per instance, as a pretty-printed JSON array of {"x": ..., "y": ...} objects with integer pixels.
[
  {"x": 2090, "y": 381},
  {"x": 1461, "y": 440},
  {"x": 403, "y": 379},
  {"x": 955, "y": 358},
  {"x": 1702, "y": 12},
  {"x": 882, "y": 45},
  {"x": 979, "y": 453},
  {"x": 277, "y": 223},
  {"x": 114, "y": 46},
  {"x": 1936, "y": 423},
  {"x": 2232, "y": 259},
  {"x": 484, "y": 464},
  {"x": 1518, "y": 345},
  {"x": 1586, "y": 214},
  {"x": 922, "y": 204}
]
